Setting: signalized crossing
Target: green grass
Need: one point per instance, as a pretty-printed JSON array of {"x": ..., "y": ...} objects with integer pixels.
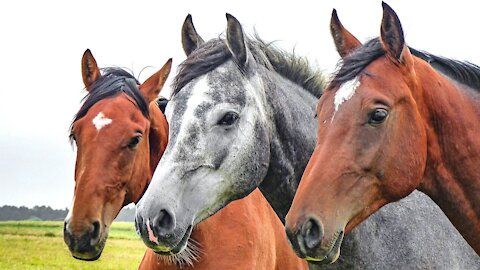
[{"x": 39, "y": 245}]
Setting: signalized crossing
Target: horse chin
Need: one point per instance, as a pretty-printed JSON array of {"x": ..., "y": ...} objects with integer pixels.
[
  {"x": 87, "y": 257},
  {"x": 189, "y": 252},
  {"x": 332, "y": 255},
  {"x": 179, "y": 247},
  {"x": 90, "y": 255}
]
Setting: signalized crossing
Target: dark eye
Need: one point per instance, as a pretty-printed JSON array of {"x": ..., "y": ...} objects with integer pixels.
[
  {"x": 228, "y": 119},
  {"x": 378, "y": 116},
  {"x": 134, "y": 141}
]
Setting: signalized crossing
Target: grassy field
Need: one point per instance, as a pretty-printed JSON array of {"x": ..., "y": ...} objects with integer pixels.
[{"x": 39, "y": 245}]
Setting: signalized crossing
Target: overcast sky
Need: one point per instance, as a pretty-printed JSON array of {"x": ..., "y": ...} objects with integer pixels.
[{"x": 42, "y": 43}]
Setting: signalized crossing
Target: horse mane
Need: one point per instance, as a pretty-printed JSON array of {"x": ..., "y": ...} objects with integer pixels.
[
  {"x": 351, "y": 66},
  {"x": 215, "y": 52},
  {"x": 112, "y": 82},
  {"x": 463, "y": 72}
]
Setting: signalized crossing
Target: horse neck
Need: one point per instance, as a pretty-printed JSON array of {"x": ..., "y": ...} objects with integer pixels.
[
  {"x": 452, "y": 177},
  {"x": 292, "y": 140}
]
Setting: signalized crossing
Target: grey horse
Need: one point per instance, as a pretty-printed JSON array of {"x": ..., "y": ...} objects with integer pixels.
[{"x": 241, "y": 117}]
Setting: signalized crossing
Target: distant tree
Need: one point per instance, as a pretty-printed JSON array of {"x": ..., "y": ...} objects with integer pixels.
[
  {"x": 127, "y": 214},
  {"x": 8, "y": 212}
]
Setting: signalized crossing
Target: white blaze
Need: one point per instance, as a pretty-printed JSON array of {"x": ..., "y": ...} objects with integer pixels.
[
  {"x": 197, "y": 97},
  {"x": 101, "y": 121},
  {"x": 345, "y": 92}
]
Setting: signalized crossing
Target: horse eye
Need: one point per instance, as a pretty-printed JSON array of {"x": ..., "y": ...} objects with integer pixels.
[
  {"x": 378, "y": 116},
  {"x": 134, "y": 141},
  {"x": 228, "y": 119}
]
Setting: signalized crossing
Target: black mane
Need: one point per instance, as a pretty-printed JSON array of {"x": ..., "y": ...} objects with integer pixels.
[
  {"x": 463, "y": 72},
  {"x": 356, "y": 61},
  {"x": 351, "y": 66},
  {"x": 112, "y": 82},
  {"x": 214, "y": 53}
]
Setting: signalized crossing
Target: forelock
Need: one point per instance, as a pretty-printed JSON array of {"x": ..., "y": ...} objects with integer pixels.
[
  {"x": 201, "y": 61},
  {"x": 112, "y": 82},
  {"x": 353, "y": 64}
]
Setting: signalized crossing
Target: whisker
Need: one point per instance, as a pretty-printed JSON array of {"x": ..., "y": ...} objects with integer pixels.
[{"x": 187, "y": 257}]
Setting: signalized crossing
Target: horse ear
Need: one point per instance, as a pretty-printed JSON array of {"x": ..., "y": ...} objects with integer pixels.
[
  {"x": 90, "y": 71},
  {"x": 391, "y": 34},
  {"x": 191, "y": 40},
  {"x": 236, "y": 40},
  {"x": 345, "y": 42},
  {"x": 152, "y": 86}
]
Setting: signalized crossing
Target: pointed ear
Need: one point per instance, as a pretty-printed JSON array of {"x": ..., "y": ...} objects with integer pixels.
[
  {"x": 345, "y": 42},
  {"x": 391, "y": 34},
  {"x": 236, "y": 40},
  {"x": 90, "y": 71},
  {"x": 191, "y": 40},
  {"x": 152, "y": 86}
]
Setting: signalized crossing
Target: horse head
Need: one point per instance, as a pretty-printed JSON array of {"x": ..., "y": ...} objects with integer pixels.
[
  {"x": 119, "y": 131},
  {"x": 218, "y": 148},
  {"x": 371, "y": 141}
]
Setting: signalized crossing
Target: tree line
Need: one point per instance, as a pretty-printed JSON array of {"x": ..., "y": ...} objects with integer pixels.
[{"x": 8, "y": 212}]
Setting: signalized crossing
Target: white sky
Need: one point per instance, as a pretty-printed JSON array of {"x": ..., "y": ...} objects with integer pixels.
[{"x": 42, "y": 42}]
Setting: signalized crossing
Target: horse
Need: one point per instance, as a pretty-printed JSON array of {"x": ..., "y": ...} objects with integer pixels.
[
  {"x": 120, "y": 135},
  {"x": 392, "y": 120},
  {"x": 125, "y": 117},
  {"x": 242, "y": 117}
]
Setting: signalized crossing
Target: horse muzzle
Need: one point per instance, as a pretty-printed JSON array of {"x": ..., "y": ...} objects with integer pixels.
[
  {"x": 87, "y": 245},
  {"x": 161, "y": 233},
  {"x": 309, "y": 242}
]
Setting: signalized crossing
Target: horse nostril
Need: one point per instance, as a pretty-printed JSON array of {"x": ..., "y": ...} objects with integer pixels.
[
  {"x": 312, "y": 233},
  {"x": 96, "y": 230},
  {"x": 164, "y": 222}
]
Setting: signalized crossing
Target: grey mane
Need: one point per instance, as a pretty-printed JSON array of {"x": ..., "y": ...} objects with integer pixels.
[{"x": 213, "y": 53}]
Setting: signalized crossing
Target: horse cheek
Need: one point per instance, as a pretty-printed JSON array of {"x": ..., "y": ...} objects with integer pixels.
[{"x": 405, "y": 171}]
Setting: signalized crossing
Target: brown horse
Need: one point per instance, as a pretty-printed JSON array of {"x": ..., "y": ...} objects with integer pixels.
[
  {"x": 117, "y": 153},
  {"x": 120, "y": 135},
  {"x": 392, "y": 120}
]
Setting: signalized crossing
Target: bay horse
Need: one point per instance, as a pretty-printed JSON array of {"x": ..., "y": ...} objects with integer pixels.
[
  {"x": 392, "y": 120},
  {"x": 241, "y": 117},
  {"x": 118, "y": 152}
]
